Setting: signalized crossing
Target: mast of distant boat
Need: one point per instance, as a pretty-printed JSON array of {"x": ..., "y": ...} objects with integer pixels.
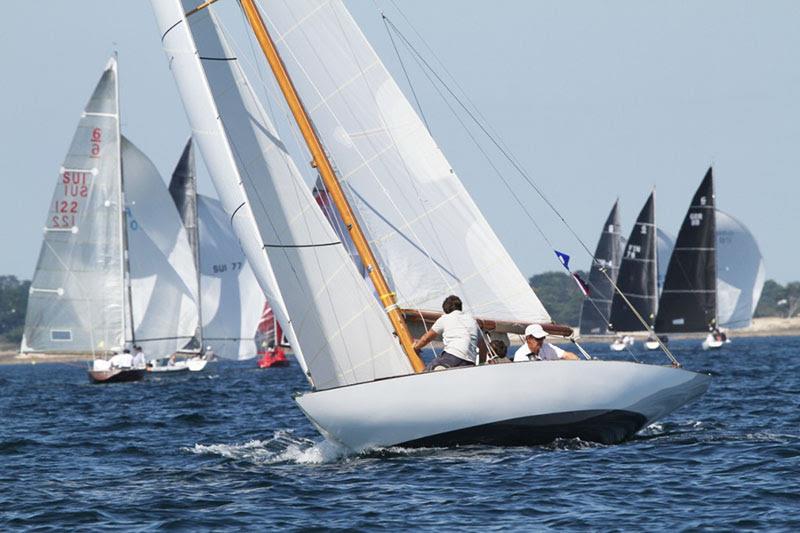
[
  {"x": 125, "y": 259},
  {"x": 323, "y": 165}
]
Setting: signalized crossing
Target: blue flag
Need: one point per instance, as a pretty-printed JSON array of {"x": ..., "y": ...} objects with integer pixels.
[{"x": 564, "y": 258}]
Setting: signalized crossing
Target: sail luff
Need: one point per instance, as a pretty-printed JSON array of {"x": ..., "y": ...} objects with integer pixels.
[
  {"x": 123, "y": 221},
  {"x": 320, "y": 160}
]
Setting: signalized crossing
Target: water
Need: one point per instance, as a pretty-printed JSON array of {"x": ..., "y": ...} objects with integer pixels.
[{"x": 227, "y": 449}]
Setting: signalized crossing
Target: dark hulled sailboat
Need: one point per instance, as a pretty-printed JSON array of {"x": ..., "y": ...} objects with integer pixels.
[
  {"x": 637, "y": 274},
  {"x": 597, "y": 306},
  {"x": 689, "y": 299}
]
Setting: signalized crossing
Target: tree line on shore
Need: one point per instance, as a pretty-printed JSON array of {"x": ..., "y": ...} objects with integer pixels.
[{"x": 556, "y": 290}]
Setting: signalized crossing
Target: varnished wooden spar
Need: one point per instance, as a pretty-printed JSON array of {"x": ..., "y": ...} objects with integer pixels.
[
  {"x": 323, "y": 165},
  {"x": 427, "y": 318}
]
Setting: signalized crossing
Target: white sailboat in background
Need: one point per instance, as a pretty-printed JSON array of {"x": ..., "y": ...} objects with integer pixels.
[
  {"x": 366, "y": 392},
  {"x": 230, "y": 298},
  {"x": 115, "y": 267}
]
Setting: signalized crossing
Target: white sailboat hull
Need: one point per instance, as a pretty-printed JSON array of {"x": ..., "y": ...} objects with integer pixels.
[
  {"x": 710, "y": 343},
  {"x": 617, "y": 346},
  {"x": 506, "y": 404},
  {"x": 652, "y": 345}
]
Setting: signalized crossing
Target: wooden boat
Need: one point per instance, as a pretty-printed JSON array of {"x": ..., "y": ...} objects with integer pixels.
[
  {"x": 368, "y": 388},
  {"x": 117, "y": 375}
]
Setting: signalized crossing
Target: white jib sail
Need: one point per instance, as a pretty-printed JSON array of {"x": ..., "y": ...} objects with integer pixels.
[
  {"x": 162, "y": 272},
  {"x": 740, "y": 272},
  {"x": 344, "y": 335},
  {"x": 232, "y": 300},
  {"x": 76, "y": 297},
  {"x": 427, "y": 231}
]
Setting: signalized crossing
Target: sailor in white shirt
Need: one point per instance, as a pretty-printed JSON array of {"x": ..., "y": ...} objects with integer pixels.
[
  {"x": 535, "y": 349},
  {"x": 122, "y": 360},
  {"x": 139, "y": 360},
  {"x": 460, "y": 334}
]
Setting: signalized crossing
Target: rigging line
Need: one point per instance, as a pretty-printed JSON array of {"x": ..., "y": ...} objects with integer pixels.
[
  {"x": 405, "y": 73},
  {"x": 522, "y": 172}
]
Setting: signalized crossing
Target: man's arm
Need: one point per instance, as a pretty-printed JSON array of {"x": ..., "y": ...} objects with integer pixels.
[
  {"x": 424, "y": 340},
  {"x": 570, "y": 356}
]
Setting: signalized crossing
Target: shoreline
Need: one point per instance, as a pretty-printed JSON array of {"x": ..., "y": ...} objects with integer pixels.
[{"x": 761, "y": 327}]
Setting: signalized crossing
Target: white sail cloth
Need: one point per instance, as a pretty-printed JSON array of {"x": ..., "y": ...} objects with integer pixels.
[
  {"x": 740, "y": 272},
  {"x": 162, "y": 271},
  {"x": 343, "y": 334},
  {"x": 76, "y": 297},
  {"x": 232, "y": 300},
  {"x": 428, "y": 233}
]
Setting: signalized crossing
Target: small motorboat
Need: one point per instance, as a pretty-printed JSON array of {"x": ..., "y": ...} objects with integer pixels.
[
  {"x": 620, "y": 343},
  {"x": 273, "y": 358},
  {"x": 712, "y": 342}
]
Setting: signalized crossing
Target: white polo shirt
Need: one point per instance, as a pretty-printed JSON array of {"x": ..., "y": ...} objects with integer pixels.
[
  {"x": 548, "y": 352},
  {"x": 459, "y": 332}
]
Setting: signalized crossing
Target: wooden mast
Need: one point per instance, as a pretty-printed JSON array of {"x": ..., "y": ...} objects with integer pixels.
[{"x": 322, "y": 164}]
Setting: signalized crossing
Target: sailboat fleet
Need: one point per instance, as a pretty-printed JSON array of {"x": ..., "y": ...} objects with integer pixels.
[
  {"x": 356, "y": 268},
  {"x": 711, "y": 279}
]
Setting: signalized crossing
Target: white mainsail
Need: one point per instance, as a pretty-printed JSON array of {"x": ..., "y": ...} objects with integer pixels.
[
  {"x": 76, "y": 301},
  {"x": 162, "y": 271},
  {"x": 423, "y": 225},
  {"x": 740, "y": 272},
  {"x": 232, "y": 300},
  {"x": 344, "y": 336}
]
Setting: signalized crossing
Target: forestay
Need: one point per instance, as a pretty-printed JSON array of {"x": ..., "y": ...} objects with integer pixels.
[
  {"x": 597, "y": 306},
  {"x": 429, "y": 235},
  {"x": 162, "y": 272},
  {"x": 740, "y": 272},
  {"x": 232, "y": 300},
  {"x": 76, "y": 297},
  {"x": 345, "y": 337}
]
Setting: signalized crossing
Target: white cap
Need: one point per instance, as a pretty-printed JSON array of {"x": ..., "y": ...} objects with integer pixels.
[{"x": 536, "y": 331}]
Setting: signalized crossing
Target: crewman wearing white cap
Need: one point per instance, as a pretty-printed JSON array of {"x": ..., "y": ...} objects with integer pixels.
[{"x": 535, "y": 349}]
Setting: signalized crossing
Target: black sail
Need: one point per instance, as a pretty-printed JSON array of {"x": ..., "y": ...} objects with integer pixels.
[
  {"x": 597, "y": 307},
  {"x": 183, "y": 189},
  {"x": 637, "y": 274},
  {"x": 689, "y": 299}
]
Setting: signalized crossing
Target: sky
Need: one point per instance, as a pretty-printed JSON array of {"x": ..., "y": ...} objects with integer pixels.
[{"x": 597, "y": 100}]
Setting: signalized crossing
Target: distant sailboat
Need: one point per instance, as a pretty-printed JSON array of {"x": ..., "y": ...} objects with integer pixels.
[
  {"x": 596, "y": 308},
  {"x": 637, "y": 278},
  {"x": 689, "y": 298},
  {"x": 230, "y": 298},
  {"x": 115, "y": 266},
  {"x": 367, "y": 387}
]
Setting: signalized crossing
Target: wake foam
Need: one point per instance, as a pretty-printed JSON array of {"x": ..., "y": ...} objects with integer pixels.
[{"x": 282, "y": 447}]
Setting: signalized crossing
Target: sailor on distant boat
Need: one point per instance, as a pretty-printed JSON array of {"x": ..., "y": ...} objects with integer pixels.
[
  {"x": 122, "y": 360},
  {"x": 460, "y": 334},
  {"x": 139, "y": 360},
  {"x": 535, "y": 349}
]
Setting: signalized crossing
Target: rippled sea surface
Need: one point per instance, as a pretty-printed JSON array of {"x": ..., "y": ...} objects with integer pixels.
[{"x": 228, "y": 449}]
